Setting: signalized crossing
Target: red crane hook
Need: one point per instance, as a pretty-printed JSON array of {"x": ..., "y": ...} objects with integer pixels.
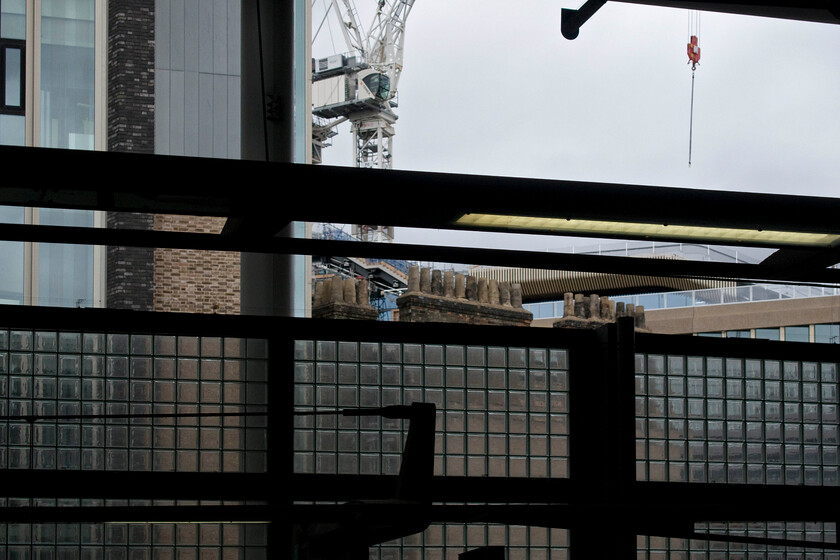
[{"x": 693, "y": 52}]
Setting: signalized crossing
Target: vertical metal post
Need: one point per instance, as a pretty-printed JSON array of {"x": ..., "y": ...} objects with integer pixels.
[
  {"x": 268, "y": 123},
  {"x": 268, "y": 44},
  {"x": 267, "y": 281},
  {"x": 280, "y": 426},
  {"x": 601, "y": 434}
]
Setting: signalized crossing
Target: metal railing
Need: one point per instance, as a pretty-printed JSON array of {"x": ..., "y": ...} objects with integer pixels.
[{"x": 696, "y": 298}]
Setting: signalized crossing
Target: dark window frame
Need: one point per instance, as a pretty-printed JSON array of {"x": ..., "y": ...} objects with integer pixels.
[{"x": 6, "y": 44}]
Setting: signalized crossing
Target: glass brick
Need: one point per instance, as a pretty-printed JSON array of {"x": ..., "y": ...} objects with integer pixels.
[
  {"x": 391, "y": 353},
  {"x": 517, "y": 358},
  {"x": 558, "y": 359},
  {"x": 496, "y": 357},
  {"x": 455, "y": 355},
  {"x": 772, "y": 369},
  {"x": 537, "y": 358},
  {"x": 413, "y": 354},
  {"x": 640, "y": 364}
]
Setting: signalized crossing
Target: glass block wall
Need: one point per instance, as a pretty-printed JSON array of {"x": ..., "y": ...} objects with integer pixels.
[
  {"x": 445, "y": 541},
  {"x": 719, "y": 419},
  {"x": 502, "y": 411},
  {"x": 140, "y": 541},
  {"x": 70, "y": 373},
  {"x": 732, "y": 420},
  {"x": 151, "y": 377},
  {"x": 663, "y": 548}
]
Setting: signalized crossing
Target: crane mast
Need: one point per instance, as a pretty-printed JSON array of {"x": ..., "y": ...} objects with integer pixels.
[{"x": 361, "y": 86}]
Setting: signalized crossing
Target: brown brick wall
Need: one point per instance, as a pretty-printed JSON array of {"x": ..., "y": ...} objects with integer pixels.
[
  {"x": 195, "y": 281},
  {"x": 417, "y": 307}
]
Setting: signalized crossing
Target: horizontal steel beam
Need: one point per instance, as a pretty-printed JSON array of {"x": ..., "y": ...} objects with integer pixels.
[
  {"x": 494, "y": 257},
  {"x": 430, "y": 200},
  {"x": 817, "y": 11}
]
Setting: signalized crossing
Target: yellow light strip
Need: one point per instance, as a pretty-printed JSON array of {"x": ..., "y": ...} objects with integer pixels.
[
  {"x": 187, "y": 522},
  {"x": 597, "y": 228}
]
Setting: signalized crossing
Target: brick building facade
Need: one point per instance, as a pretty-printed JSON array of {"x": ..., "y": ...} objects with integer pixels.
[
  {"x": 195, "y": 281},
  {"x": 157, "y": 279}
]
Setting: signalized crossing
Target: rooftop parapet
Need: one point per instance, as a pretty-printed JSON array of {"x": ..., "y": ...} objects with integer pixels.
[
  {"x": 592, "y": 311},
  {"x": 342, "y": 298},
  {"x": 447, "y": 297}
]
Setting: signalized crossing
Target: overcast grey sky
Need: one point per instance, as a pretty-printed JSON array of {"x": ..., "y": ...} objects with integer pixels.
[{"x": 492, "y": 87}]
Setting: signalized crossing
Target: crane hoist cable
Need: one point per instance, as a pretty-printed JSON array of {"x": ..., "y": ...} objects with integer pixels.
[{"x": 693, "y": 50}]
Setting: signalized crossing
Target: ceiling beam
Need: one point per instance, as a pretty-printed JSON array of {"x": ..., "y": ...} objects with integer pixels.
[
  {"x": 319, "y": 193},
  {"x": 816, "y": 11},
  {"x": 238, "y": 190}
]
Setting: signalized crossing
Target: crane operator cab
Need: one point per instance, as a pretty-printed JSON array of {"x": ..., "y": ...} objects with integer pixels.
[{"x": 377, "y": 84}]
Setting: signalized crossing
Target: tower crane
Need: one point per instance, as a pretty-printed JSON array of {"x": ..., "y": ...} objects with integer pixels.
[{"x": 360, "y": 86}]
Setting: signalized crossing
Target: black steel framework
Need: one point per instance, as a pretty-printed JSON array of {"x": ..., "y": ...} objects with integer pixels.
[
  {"x": 602, "y": 503},
  {"x": 819, "y": 11},
  {"x": 601, "y": 495},
  {"x": 601, "y": 490},
  {"x": 252, "y": 224}
]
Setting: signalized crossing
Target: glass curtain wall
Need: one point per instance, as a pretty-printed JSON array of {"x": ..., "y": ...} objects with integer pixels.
[
  {"x": 65, "y": 272},
  {"x": 61, "y": 70},
  {"x": 12, "y": 72},
  {"x": 12, "y": 255},
  {"x": 67, "y": 74}
]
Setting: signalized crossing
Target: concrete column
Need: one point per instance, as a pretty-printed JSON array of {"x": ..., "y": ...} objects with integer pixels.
[
  {"x": 449, "y": 283},
  {"x": 437, "y": 283},
  {"x": 425, "y": 281},
  {"x": 568, "y": 304},
  {"x": 605, "y": 309},
  {"x": 267, "y": 137},
  {"x": 472, "y": 290},
  {"x": 349, "y": 290},
  {"x": 640, "y": 317},
  {"x": 267, "y": 72},
  {"x": 336, "y": 289},
  {"x": 460, "y": 286},
  {"x": 494, "y": 292},
  {"x": 362, "y": 297},
  {"x": 414, "y": 278},
  {"x": 504, "y": 293},
  {"x": 318, "y": 292},
  {"x": 483, "y": 291},
  {"x": 619, "y": 309},
  {"x": 516, "y": 295},
  {"x": 595, "y": 306},
  {"x": 580, "y": 310}
]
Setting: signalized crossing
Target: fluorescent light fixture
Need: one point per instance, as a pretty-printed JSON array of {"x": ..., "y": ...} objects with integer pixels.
[
  {"x": 635, "y": 230},
  {"x": 188, "y": 522}
]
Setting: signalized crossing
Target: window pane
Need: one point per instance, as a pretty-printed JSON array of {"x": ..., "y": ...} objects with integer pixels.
[
  {"x": 13, "y": 19},
  {"x": 13, "y": 75},
  {"x": 797, "y": 334},
  {"x": 12, "y": 130},
  {"x": 11, "y": 255},
  {"x": 827, "y": 334},
  {"x": 65, "y": 275},
  {"x": 67, "y": 74},
  {"x": 767, "y": 334},
  {"x": 738, "y": 334}
]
